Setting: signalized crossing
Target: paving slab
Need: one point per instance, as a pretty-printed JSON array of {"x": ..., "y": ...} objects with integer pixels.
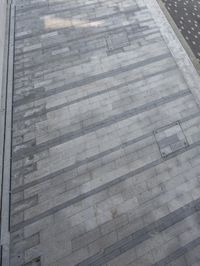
[{"x": 106, "y": 137}]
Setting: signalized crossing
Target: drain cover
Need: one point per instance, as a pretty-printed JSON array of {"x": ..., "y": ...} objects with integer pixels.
[
  {"x": 170, "y": 139},
  {"x": 117, "y": 41}
]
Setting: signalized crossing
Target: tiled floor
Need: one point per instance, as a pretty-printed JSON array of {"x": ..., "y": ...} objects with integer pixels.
[{"x": 106, "y": 139}]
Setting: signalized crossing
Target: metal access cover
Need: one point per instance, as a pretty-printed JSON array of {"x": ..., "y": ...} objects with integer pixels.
[
  {"x": 117, "y": 40},
  {"x": 170, "y": 139}
]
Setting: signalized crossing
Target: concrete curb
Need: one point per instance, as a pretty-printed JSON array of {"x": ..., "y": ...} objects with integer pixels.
[
  {"x": 6, "y": 140},
  {"x": 175, "y": 46}
]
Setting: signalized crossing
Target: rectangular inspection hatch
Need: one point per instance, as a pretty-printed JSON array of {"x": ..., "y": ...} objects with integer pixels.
[
  {"x": 117, "y": 41},
  {"x": 170, "y": 139}
]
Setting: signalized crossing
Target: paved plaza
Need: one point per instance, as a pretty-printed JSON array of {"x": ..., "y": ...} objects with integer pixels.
[{"x": 106, "y": 137}]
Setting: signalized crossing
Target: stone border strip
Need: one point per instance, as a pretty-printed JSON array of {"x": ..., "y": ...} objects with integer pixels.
[
  {"x": 181, "y": 57},
  {"x": 7, "y": 142},
  {"x": 2, "y": 99}
]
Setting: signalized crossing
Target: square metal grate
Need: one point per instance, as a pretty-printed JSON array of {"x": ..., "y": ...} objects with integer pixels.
[{"x": 170, "y": 139}]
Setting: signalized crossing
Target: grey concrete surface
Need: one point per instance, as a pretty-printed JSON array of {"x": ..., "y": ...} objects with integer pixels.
[{"x": 106, "y": 137}]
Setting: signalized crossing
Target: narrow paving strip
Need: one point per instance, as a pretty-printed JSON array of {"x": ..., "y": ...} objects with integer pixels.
[
  {"x": 186, "y": 15},
  {"x": 106, "y": 139}
]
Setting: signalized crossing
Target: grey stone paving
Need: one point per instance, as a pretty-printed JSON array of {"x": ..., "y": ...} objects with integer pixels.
[{"x": 106, "y": 139}]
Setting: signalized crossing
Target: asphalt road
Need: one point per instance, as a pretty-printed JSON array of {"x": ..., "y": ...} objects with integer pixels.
[{"x": 186, "y": 15}]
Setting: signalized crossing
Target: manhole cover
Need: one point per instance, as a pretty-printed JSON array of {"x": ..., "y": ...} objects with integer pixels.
[
  {"x": 117, "y": 41},
  {"x": 170, "y": 139}
]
